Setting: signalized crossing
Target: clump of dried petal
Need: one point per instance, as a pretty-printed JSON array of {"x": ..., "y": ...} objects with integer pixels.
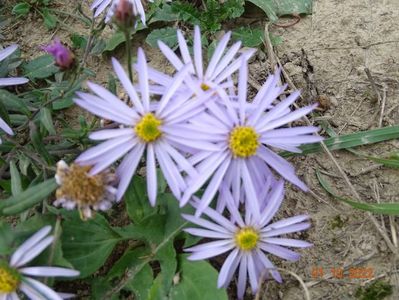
[{"x": 78, "y": 189}]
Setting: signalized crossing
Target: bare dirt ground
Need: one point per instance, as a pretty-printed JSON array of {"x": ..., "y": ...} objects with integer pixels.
[{"x": 325, "y": 55}]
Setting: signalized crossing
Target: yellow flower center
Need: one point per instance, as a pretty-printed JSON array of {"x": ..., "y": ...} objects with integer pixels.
[
  {"x": 247, "y": 238},
  {"x": 205, "y": 87},
  {"x": 80, "y": 186},
  {"x": 243, "y": 141},
  {"x": 148, "y": 128},
  {"x": 9, "y": 279}
]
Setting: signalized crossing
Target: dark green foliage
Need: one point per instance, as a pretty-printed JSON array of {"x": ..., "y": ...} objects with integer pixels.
[{"x": 378, "y": 290}]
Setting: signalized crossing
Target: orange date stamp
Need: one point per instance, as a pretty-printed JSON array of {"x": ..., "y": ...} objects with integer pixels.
[{"x": 318, "y": 272}]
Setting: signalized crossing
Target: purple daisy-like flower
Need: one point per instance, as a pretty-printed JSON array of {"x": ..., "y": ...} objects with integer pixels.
[
  {"x": 64, "y": 58},
  {"x": 146, "y": 126},
  {"x": 13, "y": 80},
  {"x": 16, "y": 276},
  {"x": 223, "y": 63},
  {"x": 248, "y": 239},
  {"x": 98, "y": 6},
  {"x": 244, "y": 136}
]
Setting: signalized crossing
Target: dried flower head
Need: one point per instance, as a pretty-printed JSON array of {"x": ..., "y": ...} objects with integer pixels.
[{"x": 77, "y": 188}]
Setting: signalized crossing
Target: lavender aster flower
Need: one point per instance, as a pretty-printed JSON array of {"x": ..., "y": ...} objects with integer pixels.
[
  {"x": 98, "y": 6},
  {"x": 14, "y": 276},
  {"x": 244, "y": 136},
  {"x": 15, "y": 80},
  {"x": 146, "y": 126},
  {"x": 64, "y": 58},
  {"x": 248, "y": 239},
  {"x": 221, "y": 66}
]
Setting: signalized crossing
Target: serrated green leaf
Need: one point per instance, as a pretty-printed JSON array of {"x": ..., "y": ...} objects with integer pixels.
[
  {"x": 250, "y": 37},
  {"x": 116, "y": 39},
  {"x": 198, "y": 281},
  {"x": 277, "y": 8},
  {"x": 40, "y": 67},
  {"x": 167, "y": 35},
  {"x": 164, "y": 14},
  {"x": 137, "y": 204},
  {"x": 378, "y": 208}
]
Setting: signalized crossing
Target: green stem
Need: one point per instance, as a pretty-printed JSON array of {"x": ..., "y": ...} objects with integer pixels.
[
  {"x": 128, "y": 52},
  {"x": 57, "y": 233}
]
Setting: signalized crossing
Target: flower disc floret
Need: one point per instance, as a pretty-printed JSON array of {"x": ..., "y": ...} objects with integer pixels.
[
  {"x": 244, "y": 141},
  {"x": 247, "y": 238},
  {"x": 9, "y": 279},
  {"x": 205, "y": 87},
  {"x": 79, "y": 185},
  {"x": 148, "y": 128}
]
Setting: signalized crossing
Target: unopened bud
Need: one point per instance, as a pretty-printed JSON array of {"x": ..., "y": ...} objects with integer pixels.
[
  {"x": 64, "y": 57},
  {"x": 125, "y": 13}
]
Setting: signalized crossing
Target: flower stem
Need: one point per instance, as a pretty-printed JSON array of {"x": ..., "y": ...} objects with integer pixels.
[{"x": 128, "y": 51}]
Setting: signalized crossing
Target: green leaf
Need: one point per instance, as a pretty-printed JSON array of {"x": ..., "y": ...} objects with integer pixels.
[
  {"x": 391, "y": 162},
  {"x": 351, "y": 140},
  {"x": 164, "y": 14},
  {"x": 50, "y": 20},
  {"x": 250, "y": 37},
  {"x": 16, "y": 186},
  {"x": 13, "y": 102},
  {"x": 28, "y": 198},
  {"x": 198, "y": 281},
  {"x": 88, "y": 244},
  {"x": 167, "y": 35},
  {"x": 47, "y": 120},
  {"x": 21, "y": 9},
  {"x": 137, "y": 204},
  {"x": 37, "y": 142},
  {"x": 116, "y": 39},
  {"x": 41, "y": 67},
  {"x": 277, "y": 8},
  {"x": 6, "y": 238},
  {"x": 379, "y": 208}
]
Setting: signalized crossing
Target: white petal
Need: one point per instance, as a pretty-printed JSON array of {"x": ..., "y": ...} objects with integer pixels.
[
  {"x": 34, "y": 251},
  {"x": 151, "y": 175},
  {"x": 49, "y": 271},
  {"x": 42, "y": 289},
  {"x": 229, "y": 267}
]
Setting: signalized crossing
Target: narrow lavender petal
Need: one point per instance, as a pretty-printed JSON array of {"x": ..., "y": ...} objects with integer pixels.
[
  {"x": 207, "y": 233},
  {"x": 288, "y": 221},
  {"x": 184, "y": 50},
  {"x": 103, "y": 148},
  {"x": 293, "y": 140},
  {"x": 42, "y": 289},
  {"x": 217, "y": 54},
  {"x": 290, "y": 132},
  {"x": 288, "y": 242},
  {"x": 242, "y": 90},
  {"x": 212, "y": 164},
  {"x": 228, "y": 269},
  {"x": 198, "y": 52},
  {"x": 253, "y": 278},
  {"x": 212, "y": 187},
  {"x": 172, "y": 176},
  {"x": 281, "y": 252},
  {"x": 28, "y": 244},
  {"x": 49, "y": 272},
  {"x": 251, "y": 197},
  {"x": 233, "y": 209},
  {"x": 242, "y": 277},
  {"x": 13, "y": 81},
  {"x": 5, "y": 127},
  {"x": 7, "y": 51},
  {"x": 127, "y": 85},
  {"x": 30, "y": 292},
  {"x": 274, "y": 202},
  {"x": 151, "y": 175},
  {"x": 111, "y": 133},
  {"x": 200, "y": 145},
  {"x": 97, "y": 3},
  {"x": 181, "y": 161},
  {"x": 281, "y": 166},
  {"x": 219, "y": 113},
  {"x": 269, "y": 266},
  {"x": 206, "y": 224},
  {"x": 295, "y": 115},
  {"x": 34, "y": 251},
  {"x": 127, "y": 168},
  {"x": 284, "y": 230},
  {"x": 159, "y": 77},
  {"x": 170, "y": 55},
  {"x": 143, "y": 79},
  {"x": 193, "y": 132},
  {"x": 101, "y": 8},
  {"x": 224, "y": 62}
]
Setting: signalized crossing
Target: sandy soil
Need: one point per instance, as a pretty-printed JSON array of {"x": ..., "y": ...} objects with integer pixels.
[{"x": 325, "y": 55}]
